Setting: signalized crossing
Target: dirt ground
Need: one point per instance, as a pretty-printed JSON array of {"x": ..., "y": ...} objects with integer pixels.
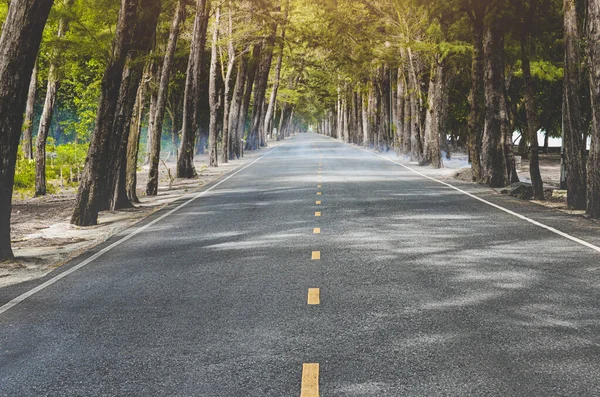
[{"x": 43, "y": 239}]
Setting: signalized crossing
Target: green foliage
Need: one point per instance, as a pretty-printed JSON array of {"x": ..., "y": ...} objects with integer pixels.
[
  {"x": 24, "y": 174},
  {"x": 70, "y": 158}
]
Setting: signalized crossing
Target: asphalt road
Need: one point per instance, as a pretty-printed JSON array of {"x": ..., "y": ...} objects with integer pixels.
[{"x": 422, "y": 291}]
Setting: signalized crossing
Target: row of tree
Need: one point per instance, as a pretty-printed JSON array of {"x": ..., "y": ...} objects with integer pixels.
[
  {"x": 214, "y": 75},
  {"x": 410, "y": 73},
  {"x": 201, "y": 68}
]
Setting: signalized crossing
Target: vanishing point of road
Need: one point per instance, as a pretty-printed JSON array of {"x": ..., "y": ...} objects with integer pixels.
[{"x": 318, "y": 270}]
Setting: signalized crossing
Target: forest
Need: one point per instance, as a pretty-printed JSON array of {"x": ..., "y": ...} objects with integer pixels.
[{"x": 97, "y": 87}]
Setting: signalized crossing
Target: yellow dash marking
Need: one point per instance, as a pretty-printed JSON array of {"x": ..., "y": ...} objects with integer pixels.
[
  {"x": 316, "y": 255},
  {"x": 318, "y": 193},
  {"x": 310, "y": 380},
  {"x": 314, "y": 296},
  {"x": 319, "y": 186},
  {"x": 317, "y": 230},
  {"x": 317, "y": 213},
  {"x": 318, "y": 203}
]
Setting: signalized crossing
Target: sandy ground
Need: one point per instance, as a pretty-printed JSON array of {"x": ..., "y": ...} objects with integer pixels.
[{"x": 43, "y": 239}]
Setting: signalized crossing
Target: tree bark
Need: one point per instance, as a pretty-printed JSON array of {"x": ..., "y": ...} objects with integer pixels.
[
  {"x": 227, "y": 98},
  {"x": 400, "y": 96},
  {"x": 191, "y": 116},
  {"x": 47, "y": 112},
  {"x": 144, "y": 32},
  {"x": 272, "y": 100},
  {"x": 530, "y": 111},
  {"x": 593, "y": 165},
  {"x": 133, "y": 144},
  {"x": 161, "y": 101},
  {"x": 406, "y": 141},
  {"x": 476, "y": 101},
  {"x": 236, "y": 106},
  {"x": 252, "y": 71},
  {"x": 572, "y": 124},
  {"x": 93, "y": 189},
  {"x": 29, "y": 115},
  {"x": 19, "y": 45},
  {"x": 214, "y": 94},
  {"x": 365, "y": 120},
  {"x": 435, "y": 111},
  {"x": 493, "y": 165},
  {"x": 416, "y": 148},
  {"x": 262, "y": 79},
  {"x": 386, "y": 108}
]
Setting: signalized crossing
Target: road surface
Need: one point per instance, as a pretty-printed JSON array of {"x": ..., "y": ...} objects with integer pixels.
[{"x": 319, "y": 270}]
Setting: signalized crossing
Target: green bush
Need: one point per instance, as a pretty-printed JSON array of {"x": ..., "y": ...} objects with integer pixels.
[
  {"x": 24, "y": 173},
  {"x": 68, "y": 156}
]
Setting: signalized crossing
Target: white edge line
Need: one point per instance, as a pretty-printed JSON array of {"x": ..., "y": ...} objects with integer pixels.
[
  {"x": 523, "y": 217},
  {"x": 92, "y": 258}
]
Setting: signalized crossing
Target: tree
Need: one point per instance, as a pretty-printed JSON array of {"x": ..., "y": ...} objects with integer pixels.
[
  {"x": 273, "y": 98},
  {"x": 214, "y": 100},
  {"x": 19, "y": 45},
  {"x": 527, "y": 20},
  {"x": 593, "y": 165},
  {"x": 572, "y": 122},
  {"x": 49, "y": 103},
  {"x": 161, "y": 102},
  {"x": 227, "y": 77},
  {"x": 29, "y": 113},
  {"x": 93, "y": 189},
  {"x": 191, "y": 116},
  {"x": 144, "y": 32}
]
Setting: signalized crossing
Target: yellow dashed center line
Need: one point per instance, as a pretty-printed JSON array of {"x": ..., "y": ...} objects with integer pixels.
[
  {"x": 318, "y": 213},
  {"x": 318, "y": 203},
  {"x": 318, "y": 193},
  {"x": 310, "y": 380},
  {"x": 317, "y": 230},
  {"x": 319, "y": 186},
  {"x": 316, "y": 255},
  {"x": 314, "y": 296}
]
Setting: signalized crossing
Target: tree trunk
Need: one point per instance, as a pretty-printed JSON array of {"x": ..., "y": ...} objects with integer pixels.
[
  {"x": 133, "y": 144},
  {"x": 214, "y": 94},
  {"x": 94, "y": 188},
  {"x": 593, "y": 170},
  {"x": 236, "y": 106},
  {"x": 46, "y": 118},
  {"x": 262, "y": 80},
  {"x": 406, "y": 141},
  {"x": 476, "y": 102},
  {"x": 29, "y": 115},
  {"x": 530, "y": 111},
  {"x": 19, "y": 45},
  {"x": 507, "y": 132},
  {"x": 416, "y": 148},
  {"x": 365, "y": 120},
  {"x": 231, "y": 62},
  {"x": 572, "y": 123},
  {"x": 93, "y": 181},
  {"x": 161, "y": 101},
  {"x": 191, "y": 116},
  {"x": 435, "y": 111},
  {"x": 144, "y": 31},
  {"x": 272, "y": 100},
  {"x": 252, "y": 71},
  {"x": 400, "y": 95},
  {"x": 153, "y": 84},
  {"x": 493, "y": 165},
  {"x": 386, "y": 108}
]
